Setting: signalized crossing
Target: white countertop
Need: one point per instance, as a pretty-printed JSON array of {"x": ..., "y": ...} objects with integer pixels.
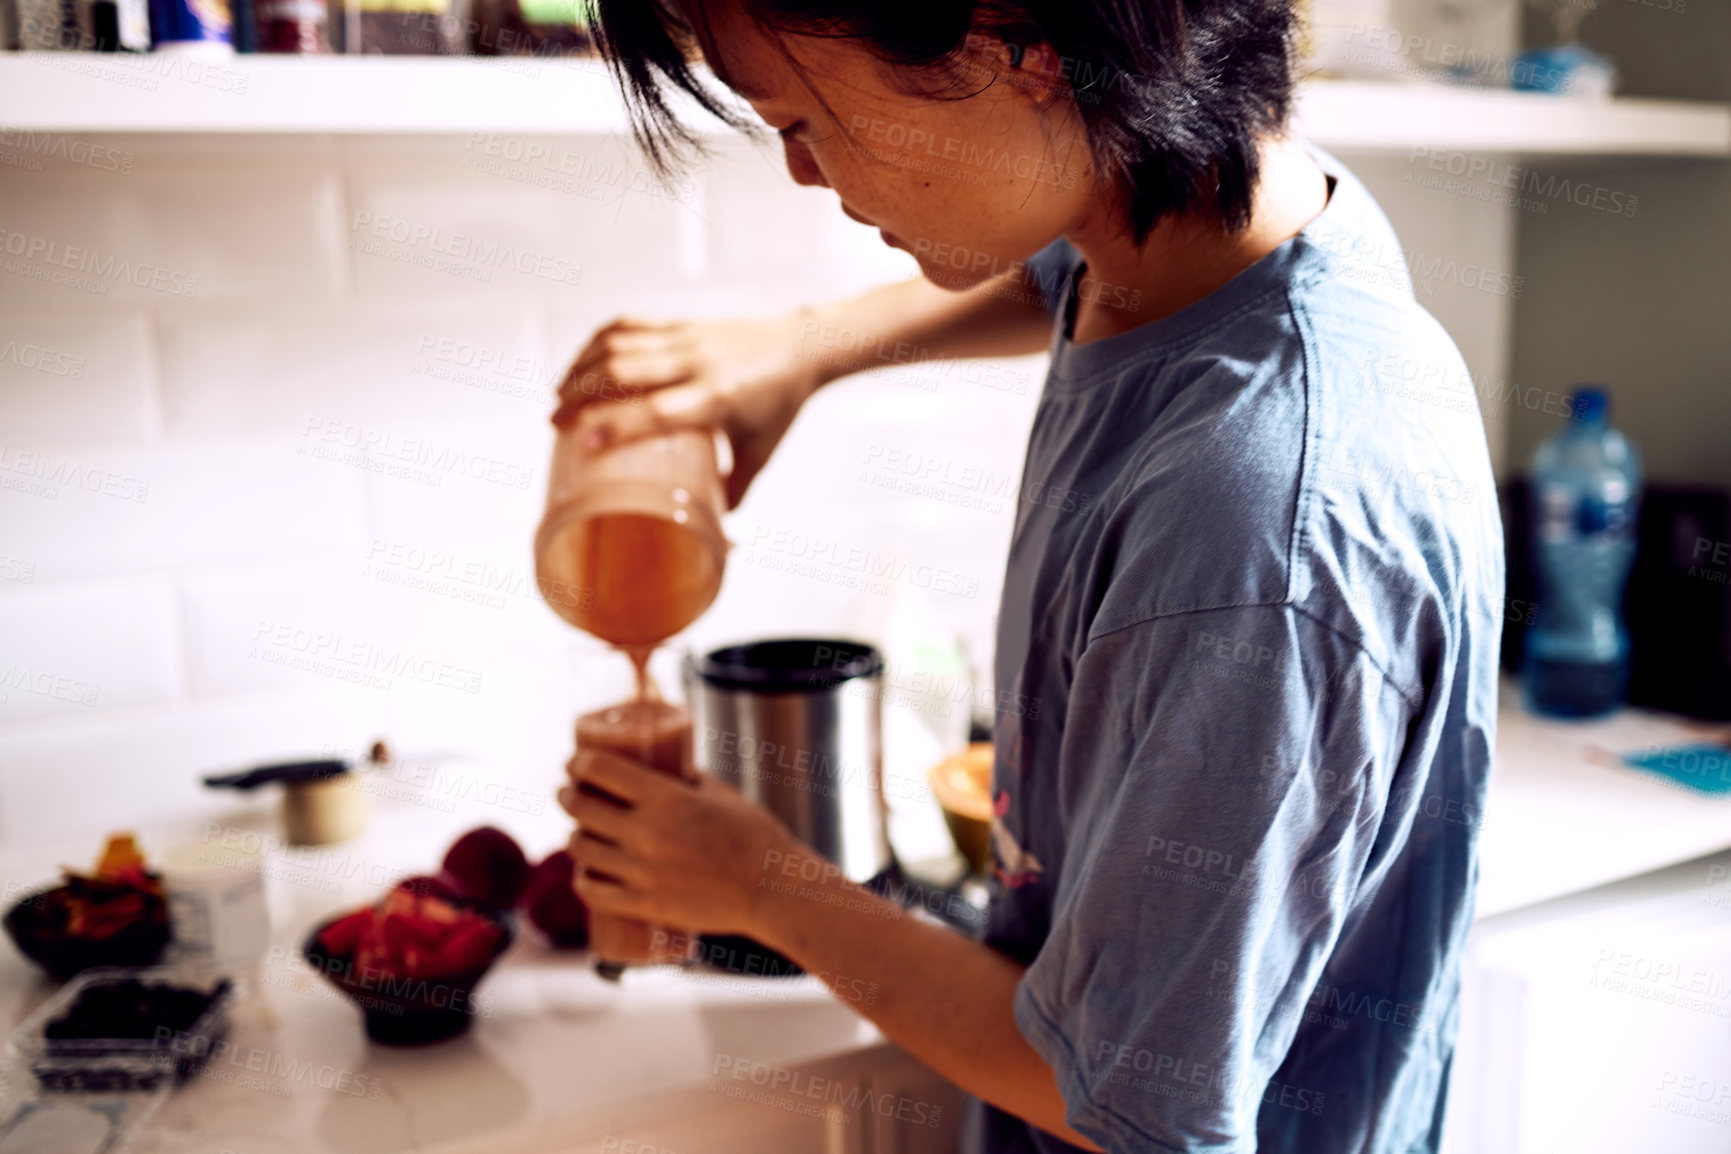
[
  {"x": 559, "y": 1042},
  {"x": 1562, "y": 817},
  {"x": 552, "y": 1040},
  {"x": 555, "y": 1042}
]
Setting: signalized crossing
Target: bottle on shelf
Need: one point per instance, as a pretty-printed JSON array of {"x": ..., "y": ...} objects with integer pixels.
[
  {"x": 1585, "y": 493},
  {"x": 542, "y": 28},
  {"x": 77, "y": 25},
  {"x": 203, "y": 28},
  {"x": 406, "y": 27},
  {"x": 295, "y": 27}
]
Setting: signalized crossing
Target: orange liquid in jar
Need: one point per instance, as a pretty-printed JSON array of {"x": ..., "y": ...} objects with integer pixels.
[
  {"x": 658, "y": 734},
  {"x": 630, "y": 551},
  {"x": 633, "y": 579},
  {"x": 629, "y": 578}
]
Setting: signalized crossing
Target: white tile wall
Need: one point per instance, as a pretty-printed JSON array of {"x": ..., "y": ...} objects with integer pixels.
[
  {"x": 184, "y": 529},
  {"x": 78, "y": 778},
  {"x": 188, "y": 539},
  {"x": 151, "y": 509},
  {"x": 166, "y": 236},
  {"x": 491, "y": 227},
  {"x": 70, "y": 379},
  {"x": 88, "y": 650},
  {"x": 238, "y": 370}
]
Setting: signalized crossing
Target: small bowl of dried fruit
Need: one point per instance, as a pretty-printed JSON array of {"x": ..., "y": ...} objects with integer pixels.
[
  {"x": 412, "y": 961},
  {"x": 116, "y": 915}
]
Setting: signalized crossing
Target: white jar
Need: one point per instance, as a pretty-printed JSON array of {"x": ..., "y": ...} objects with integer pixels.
[{"x": 216, "y": 905}]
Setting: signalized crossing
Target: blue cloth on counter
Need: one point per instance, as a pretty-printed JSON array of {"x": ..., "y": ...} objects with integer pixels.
[
  {"x": 1704, "y": 768},
  {"x": 1246, "y": 664}
]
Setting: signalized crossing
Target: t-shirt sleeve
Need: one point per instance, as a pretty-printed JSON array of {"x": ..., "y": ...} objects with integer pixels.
[{"x": 1223, "y": 776}]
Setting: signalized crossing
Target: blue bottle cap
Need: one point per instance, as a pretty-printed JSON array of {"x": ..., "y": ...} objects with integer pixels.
[{"x": 1590, "y": 403}]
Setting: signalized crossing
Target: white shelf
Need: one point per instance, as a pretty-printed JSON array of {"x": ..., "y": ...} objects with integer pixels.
[
  {"x": 87, "y": 92},
  {"x": 1365, "y": 116}
]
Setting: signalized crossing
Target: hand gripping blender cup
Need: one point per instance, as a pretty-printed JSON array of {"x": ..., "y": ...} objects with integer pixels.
[{"x": 630, "y": 550}]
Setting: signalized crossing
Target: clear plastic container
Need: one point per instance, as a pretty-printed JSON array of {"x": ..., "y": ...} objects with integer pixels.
[
  {"x": 656, "y": 733},
  {"x": 120, "y": 1064},
  {"x": 630, "y": 548},
  {"x": 34, "y": 1120}
]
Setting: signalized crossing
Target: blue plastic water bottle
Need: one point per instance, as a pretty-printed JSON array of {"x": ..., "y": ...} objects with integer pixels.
[{"x": 1586, "y": 482}]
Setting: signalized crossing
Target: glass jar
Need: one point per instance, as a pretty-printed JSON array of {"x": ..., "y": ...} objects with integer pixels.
[{"x": 406, "y": 27}]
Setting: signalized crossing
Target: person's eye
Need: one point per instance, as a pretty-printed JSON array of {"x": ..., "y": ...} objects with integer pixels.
[{"x": 799, "y": 132}]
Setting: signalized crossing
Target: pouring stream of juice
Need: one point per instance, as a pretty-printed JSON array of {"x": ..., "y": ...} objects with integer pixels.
[{"x": 633, "y": 579}]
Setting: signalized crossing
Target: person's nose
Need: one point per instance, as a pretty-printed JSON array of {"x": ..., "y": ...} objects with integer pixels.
[{"x": 800, "y": 164}]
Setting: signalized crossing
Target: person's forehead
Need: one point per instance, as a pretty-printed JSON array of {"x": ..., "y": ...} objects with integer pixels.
[{"x": 737, "y": 50}]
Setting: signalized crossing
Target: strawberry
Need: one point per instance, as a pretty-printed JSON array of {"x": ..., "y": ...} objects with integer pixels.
[
  {"x": 339, "y": 939},
  {"x": 403, "y": 933},
  {"x": 440, "y": 911},
  {"x": 553, "y": 904},
  {"x": 439, "y": 885},
  {"x": 401, "y": 902},
  {"x": 469, "y": 946},
  {"x": 489, "y": 866},
  {"x": 371, "y": 958}
]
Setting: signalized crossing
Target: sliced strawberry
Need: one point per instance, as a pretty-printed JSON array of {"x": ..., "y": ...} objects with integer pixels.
[
  {"x": 387, "y": 945},
  {"x": 439, "y": 885},
  {"x": 399, "y": 901},
  {"x": 340, "y": 938},
  {"x": 402, "y": 933},
  {"x": 414, "y": 961},
  {"x": 412, "y": 929},
  {"x": 439, "y": 910},
  {"x": 469, "y": 946},
  {"x": 371, "y": 958}
]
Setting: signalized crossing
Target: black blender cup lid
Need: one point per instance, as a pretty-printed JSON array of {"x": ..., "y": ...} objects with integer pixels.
[{"x": 789, "y": 665}]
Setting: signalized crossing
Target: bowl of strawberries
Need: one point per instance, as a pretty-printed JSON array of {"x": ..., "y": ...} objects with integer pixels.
[{"x": 412, "y": 960}]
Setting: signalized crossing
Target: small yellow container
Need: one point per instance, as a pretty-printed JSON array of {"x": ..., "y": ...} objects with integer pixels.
[
  {"x": 330, "y": 809},
  {"x": 963, "y": 786}
]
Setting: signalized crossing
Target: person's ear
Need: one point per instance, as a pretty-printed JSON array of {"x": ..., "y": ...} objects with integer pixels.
[
  {"x": 1042, "y": 70},
  {"x": 1034, "y": 69}
]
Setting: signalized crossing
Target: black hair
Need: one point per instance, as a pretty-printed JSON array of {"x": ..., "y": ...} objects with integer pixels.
[{"x": 1175, "y": 94}]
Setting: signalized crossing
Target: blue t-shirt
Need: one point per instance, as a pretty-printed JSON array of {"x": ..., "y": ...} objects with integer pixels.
[{"x": 1247, "y": 668}]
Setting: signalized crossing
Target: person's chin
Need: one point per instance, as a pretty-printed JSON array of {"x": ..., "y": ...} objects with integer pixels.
[{"x": 954, "y": 279}]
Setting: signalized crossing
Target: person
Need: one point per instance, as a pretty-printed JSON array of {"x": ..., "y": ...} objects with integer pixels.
[{"x": 1250, "y": 608}]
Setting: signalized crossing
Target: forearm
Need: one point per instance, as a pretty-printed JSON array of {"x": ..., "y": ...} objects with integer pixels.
[
  {"x": 917, "y": 321},
  {"x": 945, "y": 999}
]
